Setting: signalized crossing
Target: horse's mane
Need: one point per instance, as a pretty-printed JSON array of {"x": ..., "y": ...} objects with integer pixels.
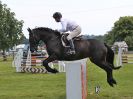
[{"x": 47, "y": 30}]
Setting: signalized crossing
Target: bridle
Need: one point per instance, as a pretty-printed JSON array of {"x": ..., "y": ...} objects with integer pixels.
[{"x": 34, "y": 40}]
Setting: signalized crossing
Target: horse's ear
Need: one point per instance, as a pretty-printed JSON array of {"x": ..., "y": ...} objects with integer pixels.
[{"x": 29, "y": 30}]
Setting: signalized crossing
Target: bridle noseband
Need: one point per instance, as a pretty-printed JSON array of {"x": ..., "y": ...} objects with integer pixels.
[{"x": 34, "y": 40}]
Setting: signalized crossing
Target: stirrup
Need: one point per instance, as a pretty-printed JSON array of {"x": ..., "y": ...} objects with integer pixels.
[{"x": 71, "y": 52}]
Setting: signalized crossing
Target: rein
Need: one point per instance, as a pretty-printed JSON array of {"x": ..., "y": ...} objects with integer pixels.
[{"x": 35, "y": 41}]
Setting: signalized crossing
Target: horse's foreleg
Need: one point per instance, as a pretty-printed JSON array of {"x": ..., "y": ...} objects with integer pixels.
[{"x": 48, "y": 60}]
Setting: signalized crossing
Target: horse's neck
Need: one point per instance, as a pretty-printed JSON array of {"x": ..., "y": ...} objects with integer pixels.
[
  {"x": 51, "y": 40},
  {"x": 54, "y": 43}
]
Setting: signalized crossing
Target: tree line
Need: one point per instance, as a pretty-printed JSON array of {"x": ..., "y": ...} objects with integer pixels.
[
  {"x": 10, "y": 28},
  {"x": 121, "y": 31}
]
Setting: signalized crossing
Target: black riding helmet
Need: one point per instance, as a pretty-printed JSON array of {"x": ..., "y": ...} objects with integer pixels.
[{"x": 57, "y": 15}]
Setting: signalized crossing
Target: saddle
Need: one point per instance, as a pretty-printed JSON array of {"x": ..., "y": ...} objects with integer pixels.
[{"x": 65, "y": 41}]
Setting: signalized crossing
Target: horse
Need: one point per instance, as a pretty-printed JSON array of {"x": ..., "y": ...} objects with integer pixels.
[{"x": 98, "y": 52}]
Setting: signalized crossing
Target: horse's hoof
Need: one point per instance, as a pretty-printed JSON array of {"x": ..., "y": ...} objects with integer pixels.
[
  {"x": 50, "y": 70},
  {"x": 55, "y": 71},
  {"x": 112, "y": 82}
]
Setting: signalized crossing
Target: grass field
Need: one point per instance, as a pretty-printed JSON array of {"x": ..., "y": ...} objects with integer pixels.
[{"x": 52, "y": 86}]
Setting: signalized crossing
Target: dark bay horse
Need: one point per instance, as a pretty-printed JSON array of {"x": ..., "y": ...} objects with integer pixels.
[{"x": 98, "y": 53}]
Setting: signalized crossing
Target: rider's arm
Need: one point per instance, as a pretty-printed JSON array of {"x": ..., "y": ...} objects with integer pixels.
[{"x": 64, "y": 26}]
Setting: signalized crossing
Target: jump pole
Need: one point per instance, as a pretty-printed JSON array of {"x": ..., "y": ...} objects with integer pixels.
[
  {"x": 119, "y": 57},
  {"x": 76, "y": 83}
]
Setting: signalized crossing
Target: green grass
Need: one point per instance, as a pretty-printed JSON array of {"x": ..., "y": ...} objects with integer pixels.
[{"x": 52, "y": 86}]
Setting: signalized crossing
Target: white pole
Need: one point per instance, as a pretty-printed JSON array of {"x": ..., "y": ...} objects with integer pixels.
[
  {"x": 28, "y": 60},
  {"x": 76, "y": 80},
  {"x": 18, "y": 59},
  {"x": 119, "y": 57},
  {"x": 61, "y": 65}
]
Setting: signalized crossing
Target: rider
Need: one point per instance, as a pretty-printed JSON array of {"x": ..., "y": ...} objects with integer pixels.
[{"x": 68, "y": 25}]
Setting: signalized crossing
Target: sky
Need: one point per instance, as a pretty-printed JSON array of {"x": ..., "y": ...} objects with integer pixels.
[{"x": 96, "y": 17}]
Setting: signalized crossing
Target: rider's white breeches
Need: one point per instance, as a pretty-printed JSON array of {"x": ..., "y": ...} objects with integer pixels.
[{"x": 74, "y": 33}]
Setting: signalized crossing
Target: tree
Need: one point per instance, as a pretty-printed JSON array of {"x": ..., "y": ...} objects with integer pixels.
[
  {"x": 122, "y": 31},
  {"x": 10, "y": 29}
]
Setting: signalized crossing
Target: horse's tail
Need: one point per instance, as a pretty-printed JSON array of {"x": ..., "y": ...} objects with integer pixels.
[{"x": 110, "y": 57}]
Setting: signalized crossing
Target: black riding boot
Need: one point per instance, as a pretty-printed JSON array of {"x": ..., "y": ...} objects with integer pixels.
[{"x": 72, "y": 48}]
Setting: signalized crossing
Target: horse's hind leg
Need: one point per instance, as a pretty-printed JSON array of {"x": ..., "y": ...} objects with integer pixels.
[
  {"x": 109, "y": 55},
  {"x": 48, "y": 60},
  {"x": 104, "y": 65}
]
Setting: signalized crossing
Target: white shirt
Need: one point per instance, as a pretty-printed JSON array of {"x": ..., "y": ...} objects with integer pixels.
[{"x": 67, "y": 25}]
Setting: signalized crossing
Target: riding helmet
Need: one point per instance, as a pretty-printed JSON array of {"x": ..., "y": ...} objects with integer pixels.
[{"x": 57, "y": 15}]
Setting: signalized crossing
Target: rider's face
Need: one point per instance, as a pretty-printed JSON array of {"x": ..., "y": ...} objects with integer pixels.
[{"x": 57, "y": 19}]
